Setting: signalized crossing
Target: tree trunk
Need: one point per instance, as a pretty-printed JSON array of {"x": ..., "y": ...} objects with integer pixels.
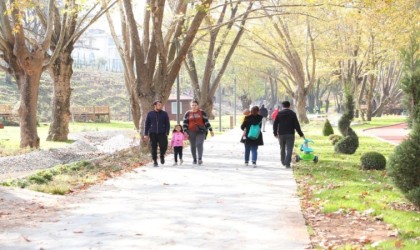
[
  {"x": 301, "y": 106},
  {"x": 135, "y": 110},
  {"x": 61, "y": 72},
  {"x": 146, "y": 105},
  {"x": 29, "y": 87}
]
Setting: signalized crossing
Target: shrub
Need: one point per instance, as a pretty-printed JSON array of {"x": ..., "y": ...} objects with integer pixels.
[
  {"x": 347, "y": 145},
  {"x": 335, "y": 138},
  {"x": 404, "y": 168},
  {"x": 328, "y": 129},
  {"x": 373, "y": 160},
  {"x": 41, "y": 177}
]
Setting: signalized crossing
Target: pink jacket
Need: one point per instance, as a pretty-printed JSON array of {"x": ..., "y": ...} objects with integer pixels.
[{"x": 177, "y": 139}]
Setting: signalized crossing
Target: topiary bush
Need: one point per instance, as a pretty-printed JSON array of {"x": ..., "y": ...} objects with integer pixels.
[
  {"x": 335, "y": 138},
  {"x": 328, "y": 129},
  {"x": 404, "y": 168},
  {"x": 373, "y": 160},
  {"x": 350, "y": 142}
]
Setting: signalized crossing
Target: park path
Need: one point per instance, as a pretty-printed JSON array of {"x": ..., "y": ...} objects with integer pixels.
[
  {"x": 219, "y": 205},
  {"x": 393, "y": 134}
]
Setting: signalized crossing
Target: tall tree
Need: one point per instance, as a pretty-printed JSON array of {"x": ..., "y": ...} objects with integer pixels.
[
  {"x": 69, "y": 27},
  {"x": 153, "y": 55},
  {"x": 212, "y": 74},
  {"x": 299, "y": 67},
  {"x": 26, "y": 56}
]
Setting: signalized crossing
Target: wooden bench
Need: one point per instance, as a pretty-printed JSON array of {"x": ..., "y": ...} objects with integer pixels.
[
  {"x": 90, "y": 113},
  {"x": 7, "y": 113}
]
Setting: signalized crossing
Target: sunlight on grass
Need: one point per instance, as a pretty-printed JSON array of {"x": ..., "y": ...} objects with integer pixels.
[{"x": 338, "y": 183}]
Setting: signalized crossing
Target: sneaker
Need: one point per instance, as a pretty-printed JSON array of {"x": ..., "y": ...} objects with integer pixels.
[
  {"x": 155, "y": 164},
  {"x": 246, "y": 163},
  {"x": 200, "y": 162},
  {"x": 254, "y": 164},
  {"x": 287, "y": 166},
  {"x": 181, "y": 161},
  {"x": 175, "y": 163},
  {"x": 162, "y": 160},
  {"x": 194, "y": 162}
]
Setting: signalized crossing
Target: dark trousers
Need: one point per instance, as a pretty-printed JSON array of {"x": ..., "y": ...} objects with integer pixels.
[
  {"x": 178, "y": 152},
  {"x": 286, "y": 148},
  {"x": 162, "y": 141}
]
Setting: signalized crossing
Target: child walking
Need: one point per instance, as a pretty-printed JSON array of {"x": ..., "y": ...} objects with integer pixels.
[{"x": 177, "y": 143}]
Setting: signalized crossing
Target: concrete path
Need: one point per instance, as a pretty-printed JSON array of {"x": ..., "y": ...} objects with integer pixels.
[
  {"x": 219, "y": 205},
  {"x": 393, "y": 134}
]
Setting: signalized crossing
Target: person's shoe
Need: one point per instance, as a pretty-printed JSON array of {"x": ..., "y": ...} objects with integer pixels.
[
  {"x": 195, "y": 162},
  {"x": 181, "y": 161},
  {"x": 155, "y": 164},
  {"x": 246, "y": 163},
  {"x": 254, "y": 164},
  {"x": 200, "y": 162},
  {"x": 162, "y": 160},
  {"x": 287, "y": 166},
  {"x": 175, "y": 163}
]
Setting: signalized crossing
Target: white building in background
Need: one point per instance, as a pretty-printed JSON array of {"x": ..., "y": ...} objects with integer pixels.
[{"x": 96, "y": 48}]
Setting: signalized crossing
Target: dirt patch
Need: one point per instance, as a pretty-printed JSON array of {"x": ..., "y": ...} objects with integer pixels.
[
  {"x": 349, "y": 227},
  {"x": 25, "y": 207}
]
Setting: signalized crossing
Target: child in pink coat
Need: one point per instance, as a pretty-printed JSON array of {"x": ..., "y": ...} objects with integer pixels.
[{"x": 177, "y": 143}]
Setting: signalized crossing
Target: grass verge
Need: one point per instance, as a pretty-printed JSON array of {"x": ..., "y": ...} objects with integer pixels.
[{"x": 338, "y": 185}]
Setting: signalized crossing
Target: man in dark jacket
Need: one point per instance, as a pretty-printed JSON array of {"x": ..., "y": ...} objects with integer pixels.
[
  {"x": 157, "y": 130},
  {"x": 284, "y": 127},
  {"x": 264, "y": 113}
]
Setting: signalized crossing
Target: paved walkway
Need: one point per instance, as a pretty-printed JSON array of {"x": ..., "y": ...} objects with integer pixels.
[
  {"x": 220, "y": 205},
  {"x": 393, "y": 134}
]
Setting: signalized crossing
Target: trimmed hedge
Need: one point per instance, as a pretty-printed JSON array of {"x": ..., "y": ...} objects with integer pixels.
[
  {"x": 373, "y": 160},
  {"x": 404, "y": 168},
  {"x": 328, "y": 129}
]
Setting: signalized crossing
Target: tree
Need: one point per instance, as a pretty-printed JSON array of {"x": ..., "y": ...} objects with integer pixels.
[
  {"x": 211, "y": 77},
  {"x": 153, "y": 54},
  {"x": 26, "y": 56},
  {"x": 67, "y": 30},
  {"x": 299, "y": 67}
]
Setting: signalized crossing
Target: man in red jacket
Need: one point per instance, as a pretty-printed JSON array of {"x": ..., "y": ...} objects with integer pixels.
[{"x": 284, "y": 127}]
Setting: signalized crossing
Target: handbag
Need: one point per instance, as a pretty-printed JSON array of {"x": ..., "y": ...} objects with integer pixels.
[{"x": 200, "y": 128}]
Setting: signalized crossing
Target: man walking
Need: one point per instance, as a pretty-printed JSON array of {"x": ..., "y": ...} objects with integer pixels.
[
  {"x": 284, "y": 127},
  {"x": 264, "y": 113},
  {"x": 156, "y": 129}
]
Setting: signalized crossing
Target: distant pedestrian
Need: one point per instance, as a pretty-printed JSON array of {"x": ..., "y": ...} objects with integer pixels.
[
  {"x": 156, "y": 129},
  {"x": 251, "y": 144},
  {"x": 275, "y": 112},
  {"x": 284, "y": 127},
  {"x": 264, "y": 113},
  {"x": 245, "y": 113},
  {"x": 196, "y": 125},
  {"x": 177, "y": 143}
]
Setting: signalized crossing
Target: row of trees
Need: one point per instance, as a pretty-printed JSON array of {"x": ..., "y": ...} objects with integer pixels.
[{"x": 326, "y": 44}]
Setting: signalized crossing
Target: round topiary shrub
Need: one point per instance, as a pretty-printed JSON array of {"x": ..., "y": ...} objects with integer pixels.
[
  {"x": 349, "y": 144},
  {"x": 328, "y": 129},
  {"x": 373, "y": 160},
  {"x": 404, "y": 168},
  {"x": 334, "y": 138}
]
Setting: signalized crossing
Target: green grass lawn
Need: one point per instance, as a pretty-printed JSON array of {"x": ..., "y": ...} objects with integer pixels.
[{"x": 338, "y": 183}]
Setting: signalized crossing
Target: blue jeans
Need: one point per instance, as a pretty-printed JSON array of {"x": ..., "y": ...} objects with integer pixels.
[{"x": 248, "y": 150}]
